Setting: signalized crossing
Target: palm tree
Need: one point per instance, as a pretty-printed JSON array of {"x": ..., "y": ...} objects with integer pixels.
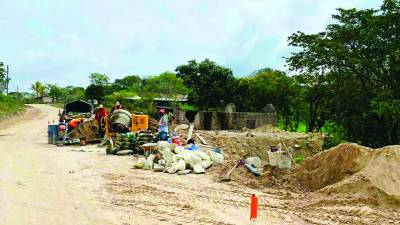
[{"x": 39, "y": 88}]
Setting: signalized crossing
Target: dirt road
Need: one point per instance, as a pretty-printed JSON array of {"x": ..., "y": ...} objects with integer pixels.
[{"x": 42, "y": 184}]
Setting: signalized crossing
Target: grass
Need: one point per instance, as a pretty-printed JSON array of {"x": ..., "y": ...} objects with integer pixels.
[
  {"x": 301, "y": 129},
  {"x": 9, "y": 106}
]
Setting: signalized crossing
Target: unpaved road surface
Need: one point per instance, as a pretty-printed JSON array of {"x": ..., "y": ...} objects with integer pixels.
[{"x": 42, "y": 184}]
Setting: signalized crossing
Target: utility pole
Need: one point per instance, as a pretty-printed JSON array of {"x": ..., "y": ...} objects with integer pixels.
[{"x": 8, "y": 69}]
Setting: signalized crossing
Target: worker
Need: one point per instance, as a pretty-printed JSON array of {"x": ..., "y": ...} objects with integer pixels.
[
  {"x": 100, "y": 116},
  {"x": 62, "y": 116},
  {"x": 74, "y": 123},
  {"x": 171, "y": 119},
  {"x": 163, "y": 128},
  {"x": 117, "y": 106}
]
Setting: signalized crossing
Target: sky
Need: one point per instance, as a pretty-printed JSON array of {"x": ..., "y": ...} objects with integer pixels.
[{"x": 62, "y": 42}]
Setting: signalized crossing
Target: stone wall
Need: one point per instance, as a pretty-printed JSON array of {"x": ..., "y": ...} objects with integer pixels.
[{"x": 205, "y": 120}]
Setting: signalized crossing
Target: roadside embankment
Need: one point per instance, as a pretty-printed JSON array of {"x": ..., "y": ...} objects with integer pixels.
[{"x": 9, "y": 106}]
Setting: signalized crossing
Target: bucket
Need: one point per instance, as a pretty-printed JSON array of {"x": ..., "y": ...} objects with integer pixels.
[
  {"x": 52, "y": 133},
  {"x": 274, "y": 158},
  {"x": 285, "y": 162},
  {"x": 177, "y": 140}
]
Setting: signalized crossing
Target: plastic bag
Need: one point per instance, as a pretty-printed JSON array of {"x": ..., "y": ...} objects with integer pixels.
[
  {"x": 148, "y": 165},
  {"x": 255, "y": 161},
  {"x": 190, "y": 158},
  {"x": 169, "y": 157},
  {"x": 140, "y": 163},
  {"x": 198, "y": 168},
  {"x": 179, "y": 149},
  {"x": 206, "y": 164},
  {"x": 158, "y": 168},
  {"x": 217, "y": 158},
  {"x": 179, "y": 166},
  {"x": 202, "y": 155},
  {"x": 162, "y": 145}
]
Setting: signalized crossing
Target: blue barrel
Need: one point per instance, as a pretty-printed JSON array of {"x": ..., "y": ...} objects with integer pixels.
[{"x": 52, "y": 133}]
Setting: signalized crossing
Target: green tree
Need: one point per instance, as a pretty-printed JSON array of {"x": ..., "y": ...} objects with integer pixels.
[
  {"x": 166, "y": 84},
  {"x": 212, "y": 86},
  {"x": 95, "y": 92},
  {"x": 99, "y": 79},
  {"x": 3, "y": 77},
  {"x": 55, "y": 92},
  {"x": 354, "y": 59},
  {"x": 39, "y": 88},
  {"x": 128, "y": 82},
  {"x": 267, "y": 86},
  {"x": 73, "y": 93}
]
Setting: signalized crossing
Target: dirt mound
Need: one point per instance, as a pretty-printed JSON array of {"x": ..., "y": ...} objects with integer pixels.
[
  {"x": 371, "y": 176},
  {"x": 88, "y": 130},
  {"x": 241, "y": 144},
  {"x": 332, "y": 166}
]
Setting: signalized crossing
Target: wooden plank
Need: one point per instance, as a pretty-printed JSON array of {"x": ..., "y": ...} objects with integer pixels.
[
  {"x": 204, "y": 142},
  {"x": 191, "y": 126}
]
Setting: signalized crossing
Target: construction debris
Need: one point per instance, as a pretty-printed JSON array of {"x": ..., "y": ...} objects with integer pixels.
[{"x": 176, "y": 159}]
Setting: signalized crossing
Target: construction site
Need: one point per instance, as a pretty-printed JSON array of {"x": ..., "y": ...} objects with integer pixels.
[
  {"x": 209, "y": 181},
  {"x": 206, "y": 112}
]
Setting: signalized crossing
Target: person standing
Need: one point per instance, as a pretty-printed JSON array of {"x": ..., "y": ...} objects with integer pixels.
[
  {"x": 117, "y": 106},
  {"x": 163, "y": 128},
  {"x": 101, "y": 116}
]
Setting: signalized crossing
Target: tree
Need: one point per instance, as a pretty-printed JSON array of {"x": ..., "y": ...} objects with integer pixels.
[
  {"x": 73, "y": 93},
  {"x": 99, "y": 79},
  {"x": 166, "y": 84},
  {"x": 3, "y": 77},
  {"x": 212, "y": 86},
  {"x": 95, "y": 92},
  {"x": 275, "y": 87},
  {"x": 127, "y": 82},
  {"x": 39, "y": 88},
  {"x": 355, "y": 59},
  {"x": 55, "y": 92}
]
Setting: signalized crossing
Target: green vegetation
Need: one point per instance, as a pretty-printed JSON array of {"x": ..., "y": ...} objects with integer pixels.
[
  {"x": 9, "y": 105},
  {"x": 350, "y": 73},
  {"x": 299, "y": 159}
]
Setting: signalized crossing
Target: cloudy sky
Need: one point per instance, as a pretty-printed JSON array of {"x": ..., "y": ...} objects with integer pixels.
[{"x": 64, "y": 41}]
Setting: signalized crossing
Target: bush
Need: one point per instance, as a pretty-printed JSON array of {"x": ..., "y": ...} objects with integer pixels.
[{"x": 9, "y": 105}]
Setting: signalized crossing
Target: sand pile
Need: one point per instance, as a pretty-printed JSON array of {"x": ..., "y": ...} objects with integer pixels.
[
  {"x": 88, "y": 130},
  {"x": 372, "y": 176}
]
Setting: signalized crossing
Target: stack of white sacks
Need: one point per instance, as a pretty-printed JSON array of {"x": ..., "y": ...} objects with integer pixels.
[{"x": 176, "y": 159}]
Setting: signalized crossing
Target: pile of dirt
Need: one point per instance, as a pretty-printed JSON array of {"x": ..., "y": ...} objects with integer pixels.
[
  {"x": 88, "y": 130},
  {"x": 370, "y": 176},
  {"x": 241, "y": 144},
  {"x": 255, "y": 143}
]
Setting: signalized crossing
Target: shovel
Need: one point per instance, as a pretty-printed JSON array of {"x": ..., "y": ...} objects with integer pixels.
[{"x": 227, "y": 177}]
